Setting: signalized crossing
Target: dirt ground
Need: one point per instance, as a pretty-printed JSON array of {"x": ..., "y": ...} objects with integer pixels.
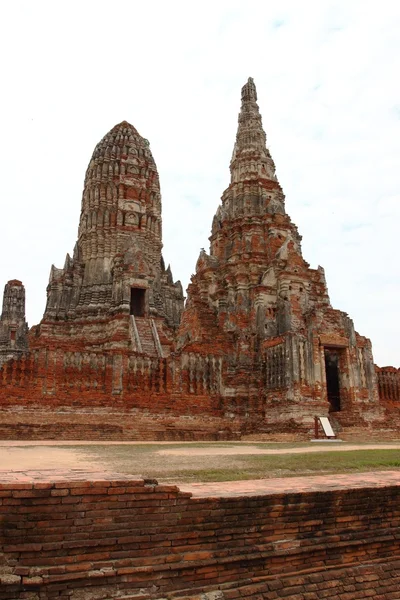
[
  {"x": 224, "y": 451},
  {"x": 191, "y": 461}
]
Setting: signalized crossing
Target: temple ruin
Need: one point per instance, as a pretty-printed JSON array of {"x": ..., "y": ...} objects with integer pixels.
[
  {"x": 257, "y": 348},
  {"x": 13, "y": 327}
]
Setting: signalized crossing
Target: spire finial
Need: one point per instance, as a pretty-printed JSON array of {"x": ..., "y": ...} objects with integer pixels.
[
  {"x": 251, "y": 159},
  {"x": 249, "y": 91}
]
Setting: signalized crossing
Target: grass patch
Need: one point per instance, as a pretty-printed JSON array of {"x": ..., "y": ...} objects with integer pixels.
[
  {"x": 265, "y": 467},
  {"x": 144, "y": 460}
]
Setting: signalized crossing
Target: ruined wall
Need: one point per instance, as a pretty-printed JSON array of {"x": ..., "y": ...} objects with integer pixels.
[
  {"x": 63, "y": 376},
  {"x": 97, "y": 540},
  {"x": 65, "y": 394},
  {"x": 87, "y": 395}
]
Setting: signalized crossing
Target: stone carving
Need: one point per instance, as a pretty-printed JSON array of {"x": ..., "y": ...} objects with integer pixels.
[
  {"x": 389, "y": 384},
  {"x": 274, "y": 367}
]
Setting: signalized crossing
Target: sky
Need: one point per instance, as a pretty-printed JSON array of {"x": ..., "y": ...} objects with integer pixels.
[{"x": 327, "y": 76}]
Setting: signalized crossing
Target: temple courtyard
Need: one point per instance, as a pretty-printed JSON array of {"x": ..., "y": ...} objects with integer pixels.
[
  {"x": 199, "y": 521},
  {"x": 193, "y": 462}
]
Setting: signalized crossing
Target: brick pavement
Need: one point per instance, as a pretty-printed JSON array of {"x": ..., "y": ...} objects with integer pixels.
[
  {"x": 33, "y": 476},
  {"x": 250, "y": 487},
  {"x": 290, "y": 485}
]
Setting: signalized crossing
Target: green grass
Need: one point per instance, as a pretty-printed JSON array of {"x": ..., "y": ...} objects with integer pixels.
[
  {"x": 264, "y": 467},
  {"x": 144, "y": 460}
]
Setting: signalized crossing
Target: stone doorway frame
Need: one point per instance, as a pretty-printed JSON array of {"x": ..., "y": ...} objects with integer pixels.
[
  {"x": 138, "y": 305},
  {"x": 343, "y": 370},
  {"x": 332, "y": 380}
]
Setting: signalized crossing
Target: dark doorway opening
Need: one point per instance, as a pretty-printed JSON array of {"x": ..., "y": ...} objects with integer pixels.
[
  {"x": 332, "y": 378},
  {"x": 138, "y": 296}
]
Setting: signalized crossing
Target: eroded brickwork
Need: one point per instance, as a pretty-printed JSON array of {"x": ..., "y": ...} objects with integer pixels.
[
  {"x": 258, "y": 346},
  {"x": 115, "y": 291},
  {"x": 13, "y": 326},
  {"x": 123, "y": 538},
  {"x": 256, "y": 301}
]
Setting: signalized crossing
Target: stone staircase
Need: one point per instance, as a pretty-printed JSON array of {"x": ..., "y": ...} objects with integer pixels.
[{"x": 147, "y": 341}]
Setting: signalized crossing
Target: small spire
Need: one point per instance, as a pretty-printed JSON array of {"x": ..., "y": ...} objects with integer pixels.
[
  {"x": 249, "y": 91},
  {"x": 251, "y": 158}
]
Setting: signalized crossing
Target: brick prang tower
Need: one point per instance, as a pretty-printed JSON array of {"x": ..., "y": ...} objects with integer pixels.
[
  {"x": 115, "y": 289},
  {"x": 256, "y": 300},
  {"x": 13, "y": 326}
]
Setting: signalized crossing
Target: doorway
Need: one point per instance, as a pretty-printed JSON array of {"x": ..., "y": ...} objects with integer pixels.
[
  {"x": 138, "y": 302},
  {"x": 332, "y": 378}
]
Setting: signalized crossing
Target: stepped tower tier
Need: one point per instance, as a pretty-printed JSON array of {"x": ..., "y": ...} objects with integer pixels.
[
  {"x": 254, "y": 186},
  {"x": 255, "y": 259},
  {"x": 117, "y": 269},
  {"x": 13, "y": 326},
  {"x": 121, "y": 212}
]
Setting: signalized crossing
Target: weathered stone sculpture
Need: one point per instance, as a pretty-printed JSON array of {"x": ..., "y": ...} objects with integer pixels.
[{"x": 13, "y": 327}]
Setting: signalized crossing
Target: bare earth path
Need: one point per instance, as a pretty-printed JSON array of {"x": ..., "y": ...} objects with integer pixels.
[
  {"x": 221, "y": 451},
  {"x": 189, "y": 462}
]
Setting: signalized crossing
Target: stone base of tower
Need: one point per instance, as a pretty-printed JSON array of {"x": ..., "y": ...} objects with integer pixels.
[
  {"x": 19, "y": 423},
  {"x": 124, "y": 395},
  {"x": 68, "y": 423}
]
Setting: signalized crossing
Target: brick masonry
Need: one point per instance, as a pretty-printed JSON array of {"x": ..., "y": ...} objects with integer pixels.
[
  {"x": 257, "y": 348},
  {"x": 102, "y": 536}
]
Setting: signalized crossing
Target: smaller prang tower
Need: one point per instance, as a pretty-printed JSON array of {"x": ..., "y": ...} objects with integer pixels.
[
  {"x": 13, "y": 326},
  {"x": 255, "y": 301},
  {"x": 115, "y": 293}
]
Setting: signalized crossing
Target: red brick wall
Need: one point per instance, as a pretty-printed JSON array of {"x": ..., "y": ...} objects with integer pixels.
[
  {"x": 378, "y": 581},
  {"x": 116, "y": 538},
  {"x": 165, "y": 399},
  {"x": 38, "y": 423},
  {"x": 52, "y": 394}
]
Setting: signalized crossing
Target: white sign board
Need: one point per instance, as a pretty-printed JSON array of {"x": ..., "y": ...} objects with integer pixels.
[{"x": 326, "y": 426}]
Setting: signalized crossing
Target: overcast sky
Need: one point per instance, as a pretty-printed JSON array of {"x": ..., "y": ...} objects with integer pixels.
[{"x": 327, "y": 75}]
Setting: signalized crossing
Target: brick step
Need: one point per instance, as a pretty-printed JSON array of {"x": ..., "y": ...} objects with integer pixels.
[{"x": 146, "y": 336}]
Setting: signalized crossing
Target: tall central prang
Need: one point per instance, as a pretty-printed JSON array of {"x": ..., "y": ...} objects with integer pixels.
[{"x": 255, "y": 300}]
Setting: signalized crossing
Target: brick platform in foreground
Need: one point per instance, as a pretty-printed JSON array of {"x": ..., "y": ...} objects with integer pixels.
[
  {"x": 86, "y": 535},
  {"x": 252, "y": 487}
]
